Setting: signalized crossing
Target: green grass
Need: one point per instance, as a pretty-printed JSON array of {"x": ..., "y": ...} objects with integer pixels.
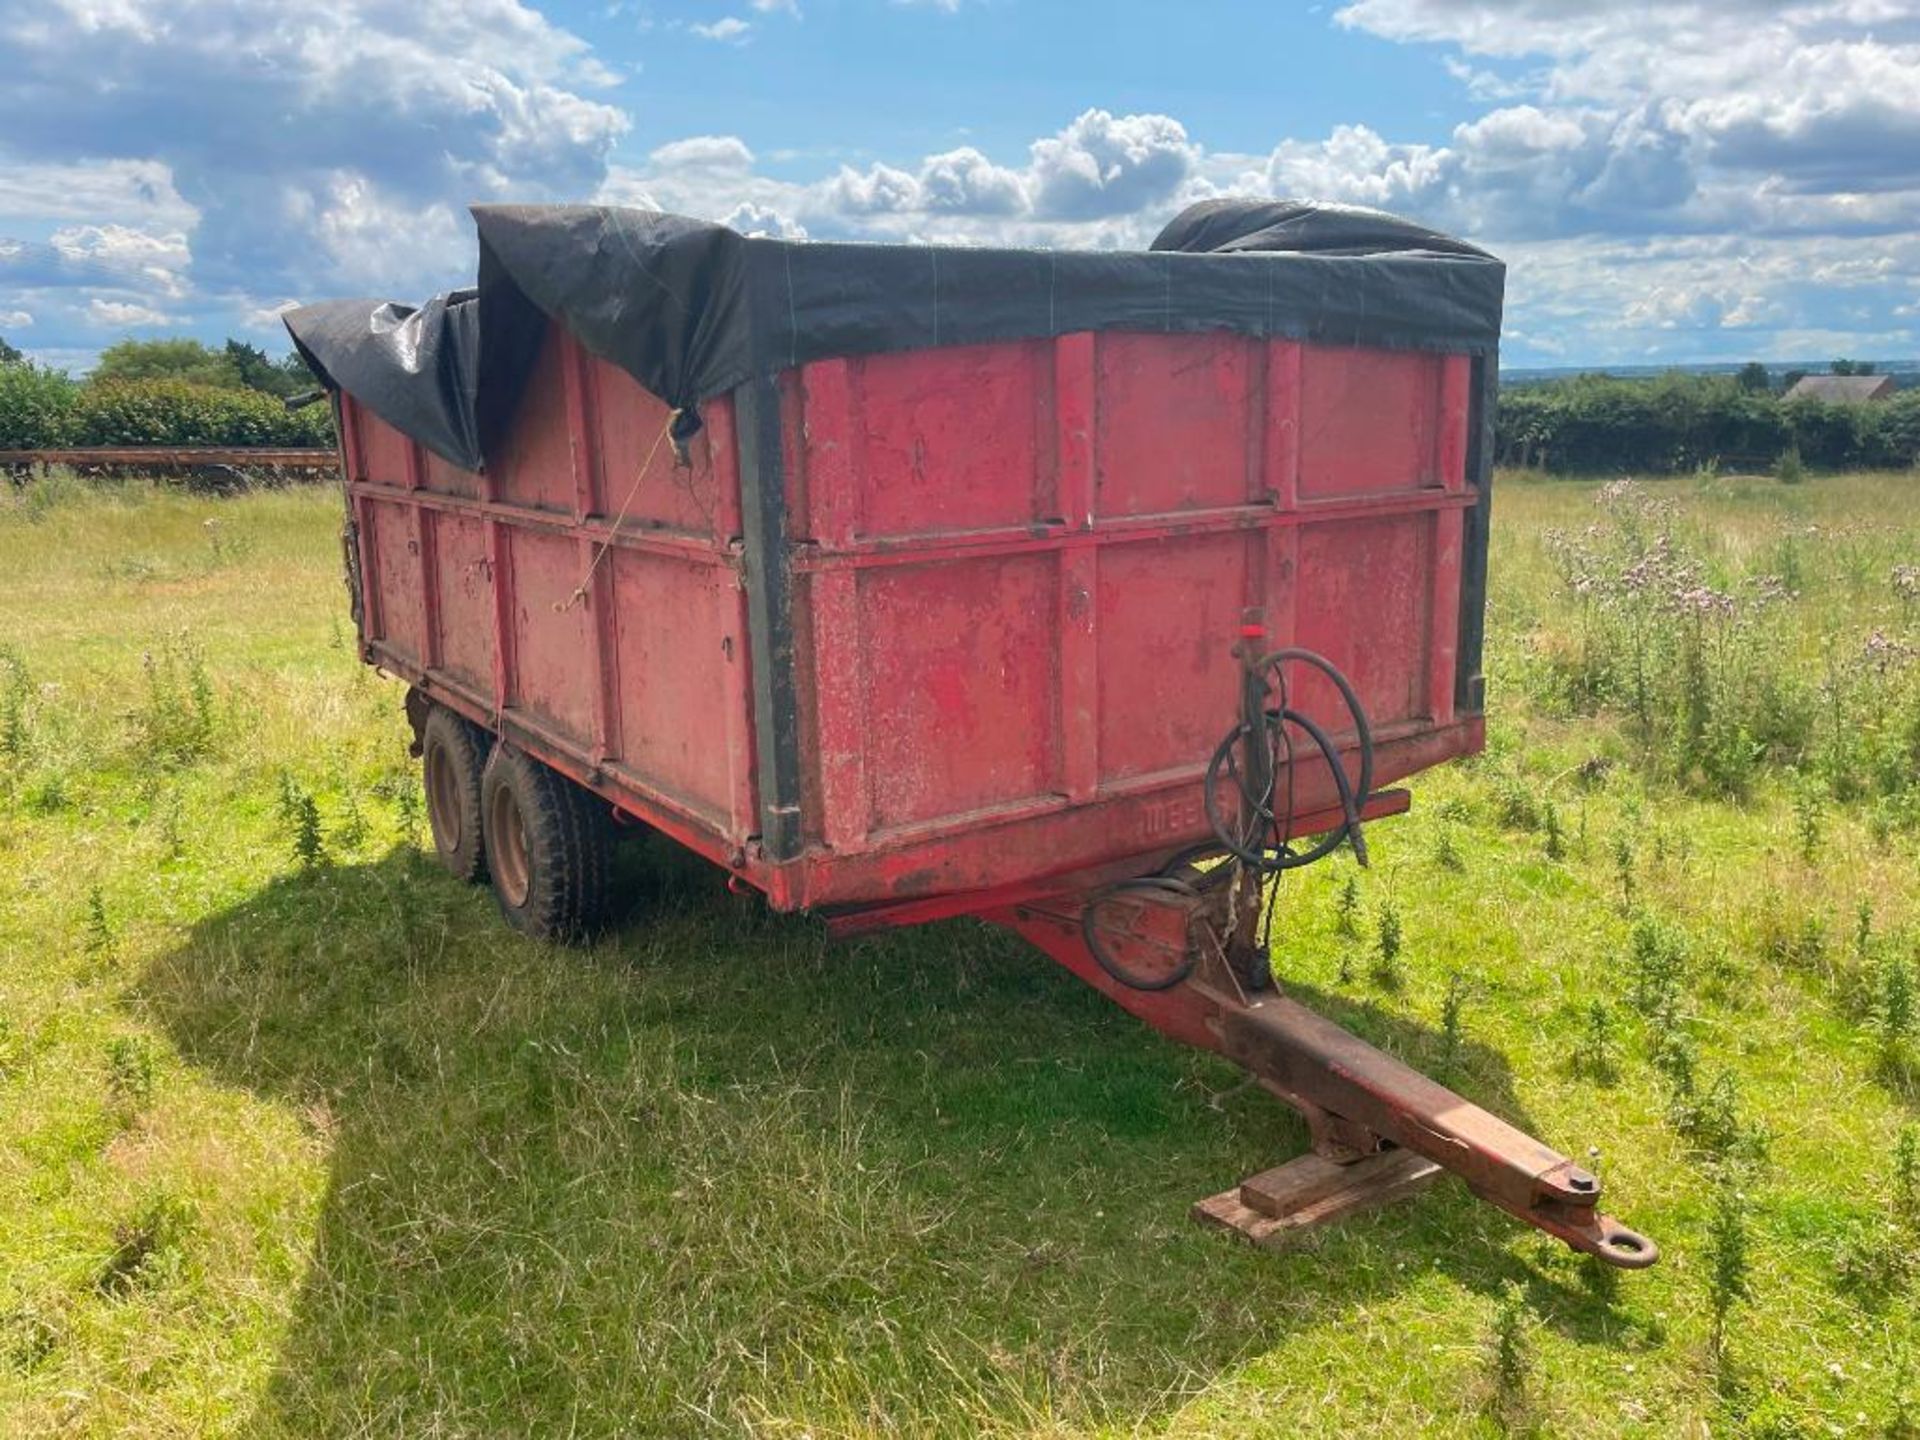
[{"x": 322, "y": 1149}]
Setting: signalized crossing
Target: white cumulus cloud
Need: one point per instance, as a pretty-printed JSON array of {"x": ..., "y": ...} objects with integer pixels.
[
  {"x": 728, "y": 30},
  {"x": 879, "y": 190},
  {"x": 751, "y": 219},
  {"x": 1687, "y": 178},
  {"x": 280, "y": 121},
  {"x": 126, "y": 313},
  {"x": 1103, "y": 165},
  {"x": 965, "y": 182},
  {"x": 703, "y": 152}
]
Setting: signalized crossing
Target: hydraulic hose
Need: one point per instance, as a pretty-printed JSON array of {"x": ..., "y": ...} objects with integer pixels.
[
  {"x": 1283, "y": 858},
  {"x": 1250, "y": 847}
]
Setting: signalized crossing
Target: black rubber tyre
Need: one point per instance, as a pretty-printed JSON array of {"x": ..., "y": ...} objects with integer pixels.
[
  {"x": 549, "y": 848},
  {"x": 452, "y": 757}
]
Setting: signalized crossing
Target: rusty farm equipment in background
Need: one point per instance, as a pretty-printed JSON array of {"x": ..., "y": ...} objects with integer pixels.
[{"x": 198, "y": 467}]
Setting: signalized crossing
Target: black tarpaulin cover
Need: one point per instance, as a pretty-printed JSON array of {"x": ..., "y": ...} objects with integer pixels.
[
  {"x": 691, "y": 309},
  {"x": 1226, "y": 226}
]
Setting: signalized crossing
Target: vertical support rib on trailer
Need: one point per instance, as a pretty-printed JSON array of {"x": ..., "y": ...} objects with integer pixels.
[
  {"x": 500, "y": 586},
  {"x": 359, "y": 537},
  {"x": 1279, "y": 487},
  {"x": 1469, "y": 695},
  {"x": 1075, "y": 478},
  {"x": 776, "y": 720},
  {"x": 602, "y": 646},
  {"x": 1451, "y": 443},
  {"x": 424, "y": 539},
  {"x": 833, "y": 467}
]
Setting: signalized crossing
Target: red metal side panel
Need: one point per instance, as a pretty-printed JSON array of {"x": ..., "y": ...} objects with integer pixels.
[
  {"x": 616, "y": 655},
  {"x": 893, "y": 456},
  {"x": 396, "y": 577},
  {"x": 677, "y": 642},
  {"x": 1015, "y": 623},
  {"x": 553, "y": 678},
  {"x": 625, "y": 427},
  {"x": 443, "y": 477},
  {"x": 466, "y": 599},
  {"x": 1166, "y": 680},
  {"x": 1363, "y": 602},
  {"x": 960, "y": 699},
  {"x": 919, "y": 419},
  {"x": 1173, "y": 419},
  {"x": 383, "y": 451},
  {"x": 534, "y": 469},
  {"x": 1179, "y": 430},
  {"x": 1369, "y": 421}
]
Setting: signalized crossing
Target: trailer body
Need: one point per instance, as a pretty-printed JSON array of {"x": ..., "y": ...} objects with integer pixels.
[
  {"x": 1065, "y": 591},
  {"x": 937, "y": 621}
]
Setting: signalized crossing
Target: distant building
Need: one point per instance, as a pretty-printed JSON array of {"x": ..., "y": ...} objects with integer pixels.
[{"x": 1842, "y": 389}]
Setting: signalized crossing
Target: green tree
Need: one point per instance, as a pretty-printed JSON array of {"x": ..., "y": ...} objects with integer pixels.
[
  {"x": 1851, "y": 367},
  {"x": 255, "y": 370},
  {"x": 298, "y": 378},
  {"x": 9, "y": 355},
  {"x": 286, "y": 376},
  {"x": 175, "y": 358},
  {"x": 1753, "y": 378}
]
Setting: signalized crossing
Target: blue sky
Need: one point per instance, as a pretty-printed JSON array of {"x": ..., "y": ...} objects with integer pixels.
[
  {"x": 1694, "y": 180},
  {"x": 855, "y": 80}
]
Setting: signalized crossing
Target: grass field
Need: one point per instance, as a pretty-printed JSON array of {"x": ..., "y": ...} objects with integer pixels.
[{"x": 297, "y": 1139}]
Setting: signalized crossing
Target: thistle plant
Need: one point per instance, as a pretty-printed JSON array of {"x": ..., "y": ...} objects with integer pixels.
[
  {"x": 1453, "y": 1005},
  {"x": 1347, "y": 906},
  {"x": 1556, "y": 839},
  {"x": 1388, "y": 938},
  {"x": 99, "y": 931},
  {"x": 1906, "y": 1175},
  {"x": 1509, "y": 1350},
  {"x": 1597, "y": 1057},
  {"x": 303, "y": 814},
  {"x": 1729, "y": 1274}
]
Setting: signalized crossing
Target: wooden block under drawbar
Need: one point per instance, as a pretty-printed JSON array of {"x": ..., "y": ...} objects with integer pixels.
[
  {"x": 1289, "y": 1188},
  {"x": 1365, "y": 1184}
]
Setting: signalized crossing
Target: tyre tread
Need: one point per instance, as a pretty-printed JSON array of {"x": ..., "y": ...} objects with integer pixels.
[
  {"x": 569, "y": 848},
  {"x": 468, "y": 745}
]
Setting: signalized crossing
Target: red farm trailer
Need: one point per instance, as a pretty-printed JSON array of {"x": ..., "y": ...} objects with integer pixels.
[{"x": 1082, "y": 593}]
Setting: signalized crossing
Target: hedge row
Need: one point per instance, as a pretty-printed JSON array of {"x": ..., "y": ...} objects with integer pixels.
[
  {"x": 1596, "y": 424},
  {"x": 44, "y": 410},
  {"x": 1591, "y": 424}
]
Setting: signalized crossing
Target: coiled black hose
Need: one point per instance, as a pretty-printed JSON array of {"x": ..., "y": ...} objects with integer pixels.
[{"x": 1250, "y": 847}]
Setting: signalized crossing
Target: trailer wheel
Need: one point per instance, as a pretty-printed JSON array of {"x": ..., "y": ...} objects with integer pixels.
[
  {"x": 549, "y": 849},
  {"x": 452, "y": 755}
]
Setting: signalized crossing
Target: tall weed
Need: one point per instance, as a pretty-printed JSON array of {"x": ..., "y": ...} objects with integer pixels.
[
  {"x": 1726, "y": 671},
  {"x": 177, "y": 718}
]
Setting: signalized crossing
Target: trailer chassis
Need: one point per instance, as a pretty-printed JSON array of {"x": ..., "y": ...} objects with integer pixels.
[
  {"x": 1180, "y": 943},
  {"x": 1379, "y": 1129}
]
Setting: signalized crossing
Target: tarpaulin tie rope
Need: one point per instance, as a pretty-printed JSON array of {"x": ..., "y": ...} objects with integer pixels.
[{"x": 579, "y": 594}]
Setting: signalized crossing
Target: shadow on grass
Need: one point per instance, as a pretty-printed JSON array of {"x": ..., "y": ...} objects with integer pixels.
[{"x": 716, "y": 1174}]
